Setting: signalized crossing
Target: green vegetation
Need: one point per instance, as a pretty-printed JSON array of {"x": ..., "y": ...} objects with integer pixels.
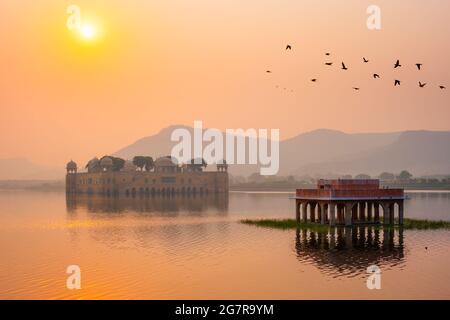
[
  {"x": 285, "y": 224},
  {"x": 144, "y": 163},
  {"x": 409, "y": 224},
  {"x": 425, "y": 224}
]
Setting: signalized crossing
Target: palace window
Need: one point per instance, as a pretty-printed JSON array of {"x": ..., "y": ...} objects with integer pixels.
[{"x": 168, "y": 179}]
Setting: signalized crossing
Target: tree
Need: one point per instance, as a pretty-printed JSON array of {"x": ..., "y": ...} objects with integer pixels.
[
  {"x": 118, "y": 163},
  {"x": 149, "y": 163},
  {"x": 405, "y": 175},
  {"x": 387, "y": 176},
  {"x": 140, "y": 162}
]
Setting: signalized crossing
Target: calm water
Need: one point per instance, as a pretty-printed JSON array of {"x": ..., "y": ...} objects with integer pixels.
[{"x": 196, "y": 248}]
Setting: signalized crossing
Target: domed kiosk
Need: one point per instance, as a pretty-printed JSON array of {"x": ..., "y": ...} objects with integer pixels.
[
  {"x": 71, "y": 167},
  {"x": 106, "y": 164}
]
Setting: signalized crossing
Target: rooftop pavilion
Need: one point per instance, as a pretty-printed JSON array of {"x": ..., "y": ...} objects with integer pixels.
[{"x": 349, "y": 202}]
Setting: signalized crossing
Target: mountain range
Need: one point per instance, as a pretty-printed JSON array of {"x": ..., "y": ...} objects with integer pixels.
[
  {"x": 320, "y": 152},
  {"x": 330, "y": 152}
]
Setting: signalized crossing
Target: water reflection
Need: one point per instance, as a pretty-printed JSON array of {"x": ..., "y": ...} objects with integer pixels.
[
  {"x": 346, "y": 252},
  {"x": 196, "y": 205}
]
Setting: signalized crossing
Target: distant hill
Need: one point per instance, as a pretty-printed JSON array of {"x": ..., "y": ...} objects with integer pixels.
[
  {"x": 420, "y": 152},
  {"x": 324, "y": 151},
  {"x": 23, "y": 169},
  {"x": 320, "y": 152}
]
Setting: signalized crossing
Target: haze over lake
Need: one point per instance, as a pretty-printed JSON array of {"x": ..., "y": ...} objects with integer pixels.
[{"x": 195, "y": 247}]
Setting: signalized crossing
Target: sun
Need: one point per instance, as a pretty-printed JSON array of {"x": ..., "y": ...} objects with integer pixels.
[{"x": 88, "y": 31}]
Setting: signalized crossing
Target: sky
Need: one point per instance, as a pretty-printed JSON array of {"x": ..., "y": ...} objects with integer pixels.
[{"x": 152, "y": 64}]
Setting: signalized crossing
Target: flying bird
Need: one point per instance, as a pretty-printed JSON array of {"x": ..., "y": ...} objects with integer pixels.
[
  {"x": 397, "y": 64},
  {"x": 418, "y": 65},
  {"x": 327, "y": 54},
  {"x": 344, "y": 67},
  {"x": 355, "y": 88},
  {"x": 328, "y": 63},
  {"x": 288, "y": 47},
  {"x": 422, "y": 84},
  {"x": 375, "y": 75},
  {"x": 268, "y": 71},
  {"x": 313, "y": 80},
  {"x": 365, "y": 60},
  {"x": 442, "y": 87},
  {"x": 397, "y": 83}
]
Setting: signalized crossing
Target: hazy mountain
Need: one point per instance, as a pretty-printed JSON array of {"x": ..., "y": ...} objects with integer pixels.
[
  {"x": 327, "y": 151},
  {"x": 420, "y": 152},
  {"x": 325, "y": 145},
  {"x": 23, "y": 169},
  {"x": 319, "y": 152}
]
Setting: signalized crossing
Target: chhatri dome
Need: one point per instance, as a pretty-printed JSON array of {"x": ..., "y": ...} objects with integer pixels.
[
  {"x": 106, "y": 162},
  {"x": 165, "y": 162},
  {"x": 71, "y": 165}
]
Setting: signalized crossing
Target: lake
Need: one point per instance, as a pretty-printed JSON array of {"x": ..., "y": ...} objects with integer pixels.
[{"x": 196, "y": 248}]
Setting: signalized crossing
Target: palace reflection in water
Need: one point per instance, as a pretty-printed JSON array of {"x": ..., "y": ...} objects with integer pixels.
[
  {"x": 159, "y": 205},
  {"x": 345, "y": 251}
]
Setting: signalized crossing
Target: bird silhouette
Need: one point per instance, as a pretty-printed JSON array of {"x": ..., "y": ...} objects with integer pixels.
[
  {"x": 344, "y": 67},
  {"x": 442, "y": 87},
  {"x": 288, "y": 47},
  {"x": 313, "y": 80},
  {"x": 375, "y": 76},
  {"x": 327, "y": 54},
  {"x": 268, "y": 71},
  {"x": 355, "y": 88},
  {"x": 397, "y": 83},
  {"x": 397, "y": 64},
  {"x": 418, "y": 65},
  {"x": 426, "y": 248},
  {"x": 365, "y": 60},
  {"x": 422, "y": 84},
  {"x": 328, "y": 63}
]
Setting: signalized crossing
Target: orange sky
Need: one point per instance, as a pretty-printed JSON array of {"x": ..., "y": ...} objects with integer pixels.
[{"x": 160, "y": 63}]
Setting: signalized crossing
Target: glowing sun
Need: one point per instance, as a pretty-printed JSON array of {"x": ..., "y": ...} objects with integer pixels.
[{"x": 88, "y": 31}]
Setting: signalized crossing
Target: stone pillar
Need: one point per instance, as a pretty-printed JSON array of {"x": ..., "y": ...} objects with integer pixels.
[
  {"x": 400, "y": 213},
  {"x": 312, "y": 211},
  {"x": 322, "y": 213},
  {"x": 376, "y": 207},
  {"x": 369, "y": 211},
  {"x": 341, "y": 215},
  {"x": 362, "y": 211},
  {"x": 391, "y": 214},
  {"x": 332, "y": 212},
  {"x": 298, "y": 204},
  {"x": 386, "y": 213},
  {"x": 355, "y": 212},
  {"x": 348, "y": 214},
  {"x": 319, "y": 212},
  {"x": 304, "y": 212}
]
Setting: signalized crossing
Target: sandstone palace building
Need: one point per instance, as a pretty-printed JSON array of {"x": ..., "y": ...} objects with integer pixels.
[{"x": 164, "y": 177}]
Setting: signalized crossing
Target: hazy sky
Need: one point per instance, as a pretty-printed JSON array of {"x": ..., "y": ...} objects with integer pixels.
[{"x": 159, "y": 63}]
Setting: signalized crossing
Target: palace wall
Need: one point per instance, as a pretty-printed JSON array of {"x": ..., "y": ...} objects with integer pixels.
[{"x": 148, "y": 183}]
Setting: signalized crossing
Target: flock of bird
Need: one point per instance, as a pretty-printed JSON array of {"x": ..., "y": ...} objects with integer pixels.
[{"x": 375, "y": 75}]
